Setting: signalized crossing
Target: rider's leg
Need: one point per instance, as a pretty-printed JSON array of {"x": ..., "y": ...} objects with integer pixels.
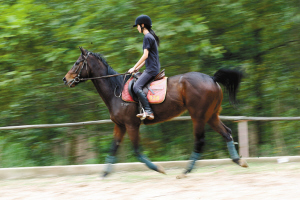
[{"x": 138, "y": 89}]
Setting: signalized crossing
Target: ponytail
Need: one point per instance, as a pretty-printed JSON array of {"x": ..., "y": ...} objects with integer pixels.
[{"x": 152, "y": 33}]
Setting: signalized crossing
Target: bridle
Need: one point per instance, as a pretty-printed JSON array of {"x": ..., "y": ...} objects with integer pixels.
[{"x": 77, "y": 79}]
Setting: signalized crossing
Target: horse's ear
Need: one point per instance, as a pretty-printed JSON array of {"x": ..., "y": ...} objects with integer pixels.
[{"x": 82, "y": 50}]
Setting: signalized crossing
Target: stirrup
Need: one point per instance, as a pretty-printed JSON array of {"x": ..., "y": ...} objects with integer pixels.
[
  {"x": 145, "y": 115},
  {"x": 142, "y": 116}
]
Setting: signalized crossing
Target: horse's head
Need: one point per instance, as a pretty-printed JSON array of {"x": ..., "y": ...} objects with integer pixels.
[{"x": 79, "y": 70}]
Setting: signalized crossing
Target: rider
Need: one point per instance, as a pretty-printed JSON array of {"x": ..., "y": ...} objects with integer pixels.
[{"x": 150, "y": 58}]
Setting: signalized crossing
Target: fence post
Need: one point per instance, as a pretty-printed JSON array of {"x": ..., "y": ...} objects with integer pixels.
[{"x": 243, "y": 138}]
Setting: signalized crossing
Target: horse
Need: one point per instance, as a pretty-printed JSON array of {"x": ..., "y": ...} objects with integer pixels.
[{"x": 195, "y": 92}]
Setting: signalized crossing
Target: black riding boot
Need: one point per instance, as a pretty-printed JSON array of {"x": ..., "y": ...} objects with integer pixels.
[{"x": 145, "y": 103}]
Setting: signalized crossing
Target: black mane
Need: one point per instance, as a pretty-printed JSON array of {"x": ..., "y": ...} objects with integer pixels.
[{"x": 117, "y": 81}]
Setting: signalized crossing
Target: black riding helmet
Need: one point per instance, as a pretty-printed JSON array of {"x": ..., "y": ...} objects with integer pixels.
[{"x": 143, "y": 19}]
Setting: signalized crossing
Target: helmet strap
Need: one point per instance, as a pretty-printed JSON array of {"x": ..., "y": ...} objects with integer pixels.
[{"x": 142, "y": 28}]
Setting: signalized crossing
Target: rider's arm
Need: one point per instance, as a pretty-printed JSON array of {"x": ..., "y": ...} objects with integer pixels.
[
  {"x": 139, "y": 67},
  {"x": 141, "y": 62}
]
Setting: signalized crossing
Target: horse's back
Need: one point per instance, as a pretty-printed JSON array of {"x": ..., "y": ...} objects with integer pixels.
[{"x": 196, "y": 80}]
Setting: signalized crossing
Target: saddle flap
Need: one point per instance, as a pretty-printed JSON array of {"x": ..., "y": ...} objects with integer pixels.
[
  {"x": 160, "y": 89},
  {"x": 155, "y": 95},
  {"x": 130, "y": 89}
]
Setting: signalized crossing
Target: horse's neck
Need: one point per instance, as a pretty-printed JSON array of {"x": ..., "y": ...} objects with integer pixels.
[{"x": 104, "y": 89}]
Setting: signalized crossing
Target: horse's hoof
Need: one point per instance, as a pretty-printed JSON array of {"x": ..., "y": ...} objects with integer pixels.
[
  {"x": 105, "y": 175},
  {"x": 160, "y": 169},
  {"x": 243, "y": 163},
  {"x": 181, "y": 176}
]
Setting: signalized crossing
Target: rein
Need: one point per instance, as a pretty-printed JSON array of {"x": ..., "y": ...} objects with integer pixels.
[{"x": 108, "y": 76}]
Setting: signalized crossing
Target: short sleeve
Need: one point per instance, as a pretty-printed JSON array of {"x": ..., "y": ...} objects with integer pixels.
[{"x": 147, "y": 43}]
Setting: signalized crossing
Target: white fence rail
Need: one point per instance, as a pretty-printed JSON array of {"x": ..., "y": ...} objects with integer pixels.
[{"x": 241, "y": 120}]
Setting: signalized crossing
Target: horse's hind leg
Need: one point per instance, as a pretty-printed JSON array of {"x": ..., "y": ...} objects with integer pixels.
[
  {"x": 219, "y": 127},
  {"x": 198, "y": 145}
]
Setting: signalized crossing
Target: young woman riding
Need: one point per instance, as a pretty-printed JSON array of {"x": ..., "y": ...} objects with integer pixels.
[{"x": 150, "y": 58}]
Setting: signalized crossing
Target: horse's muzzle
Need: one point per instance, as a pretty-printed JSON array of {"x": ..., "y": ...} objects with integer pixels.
[
  {"x": 72, "y": 82},
  {"x": 65, "y": 80}
]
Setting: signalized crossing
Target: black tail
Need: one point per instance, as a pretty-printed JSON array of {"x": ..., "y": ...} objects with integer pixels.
[{"x": 231, "y": 80}]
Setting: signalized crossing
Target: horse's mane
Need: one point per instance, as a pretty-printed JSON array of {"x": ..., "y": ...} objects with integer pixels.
[{"x": 116, "y": 81}]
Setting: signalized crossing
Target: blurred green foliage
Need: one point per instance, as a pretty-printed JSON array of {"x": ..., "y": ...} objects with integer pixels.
[{"x": 39, "y": 43}]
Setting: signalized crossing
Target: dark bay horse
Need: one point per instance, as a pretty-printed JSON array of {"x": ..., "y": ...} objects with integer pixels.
[{"x": 195, "y": 92}]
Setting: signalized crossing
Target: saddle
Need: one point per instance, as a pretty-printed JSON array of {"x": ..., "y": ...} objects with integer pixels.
[{"x": 155, "y": 90}]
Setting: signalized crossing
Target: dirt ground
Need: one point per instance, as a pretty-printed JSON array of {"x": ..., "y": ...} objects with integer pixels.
[{"x": 260, "y": 181}]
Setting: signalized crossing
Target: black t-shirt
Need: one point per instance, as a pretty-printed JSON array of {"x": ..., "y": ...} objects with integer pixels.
[{"x": 152, "y": 62}]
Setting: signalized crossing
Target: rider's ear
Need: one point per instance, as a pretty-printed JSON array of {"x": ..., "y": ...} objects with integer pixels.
[{"x": 82, "y": 51}]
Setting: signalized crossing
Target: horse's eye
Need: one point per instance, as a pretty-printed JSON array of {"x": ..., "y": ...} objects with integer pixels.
[{"x": 77, "y": 63}]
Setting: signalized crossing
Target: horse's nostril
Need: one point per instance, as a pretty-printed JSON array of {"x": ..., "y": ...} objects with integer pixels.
[{"x": 64, "y": 79}]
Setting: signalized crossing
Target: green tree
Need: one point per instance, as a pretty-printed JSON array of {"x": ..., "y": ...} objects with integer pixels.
[{"x": 39, "y": 43}]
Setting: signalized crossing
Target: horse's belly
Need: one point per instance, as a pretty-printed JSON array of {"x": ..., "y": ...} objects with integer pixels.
[{"x": 173, "y": 106}]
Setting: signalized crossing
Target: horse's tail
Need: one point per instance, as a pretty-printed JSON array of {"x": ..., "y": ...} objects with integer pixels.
[{"x": 231, "y": 80}]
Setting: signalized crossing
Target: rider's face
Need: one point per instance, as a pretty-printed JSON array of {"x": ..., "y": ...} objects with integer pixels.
[{"x": 139, "y": 28}]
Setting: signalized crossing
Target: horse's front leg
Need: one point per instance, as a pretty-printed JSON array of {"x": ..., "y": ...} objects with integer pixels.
[
  {"x": 133, "y": 132},
  {"x": 119, "y": 132}
]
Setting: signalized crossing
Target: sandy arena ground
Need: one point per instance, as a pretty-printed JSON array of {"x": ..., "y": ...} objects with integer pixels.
[{"x": 260, "y": 181}]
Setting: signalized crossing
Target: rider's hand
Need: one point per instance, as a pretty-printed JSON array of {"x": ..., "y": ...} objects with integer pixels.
[{"x": 132, "y": 70}]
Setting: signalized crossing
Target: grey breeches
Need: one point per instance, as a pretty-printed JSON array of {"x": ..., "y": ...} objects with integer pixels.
[{"x": 141, "y": 82}]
